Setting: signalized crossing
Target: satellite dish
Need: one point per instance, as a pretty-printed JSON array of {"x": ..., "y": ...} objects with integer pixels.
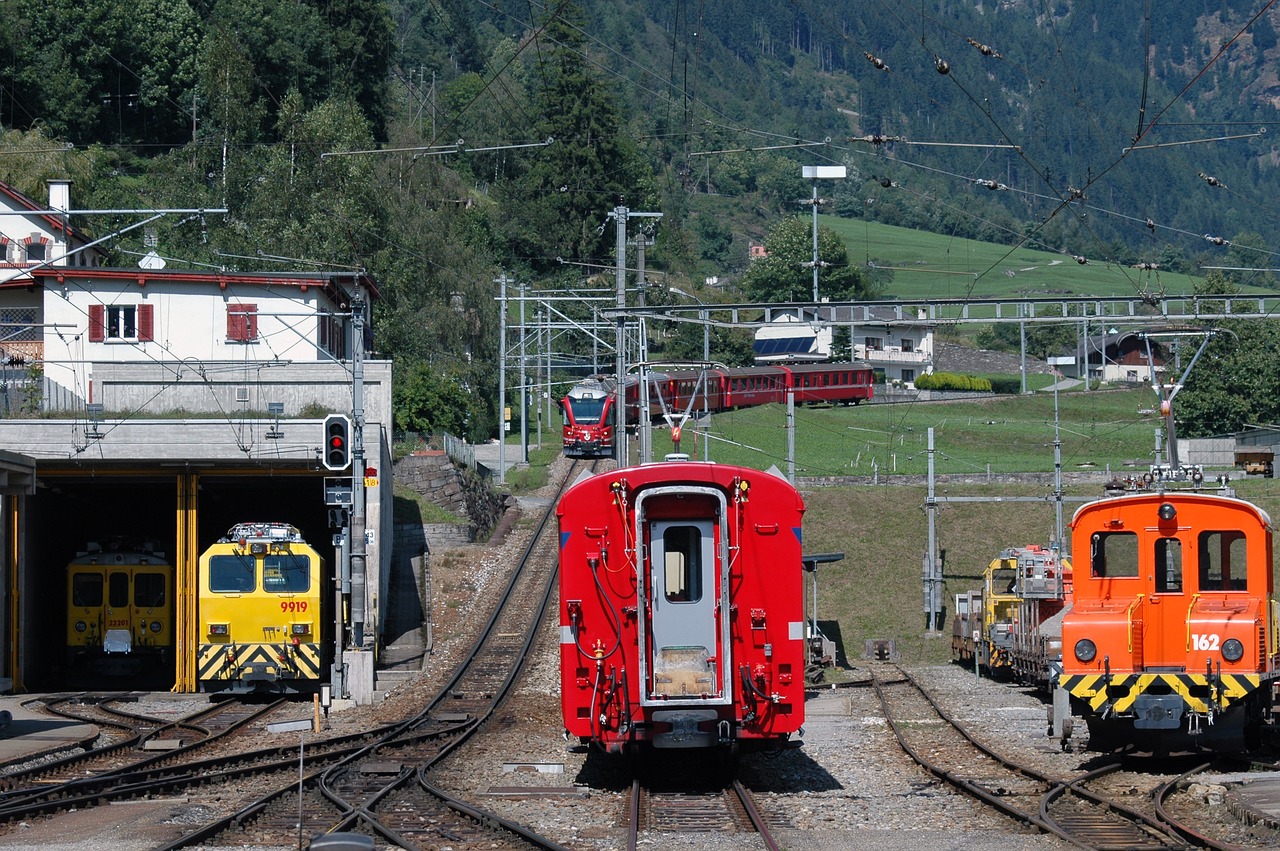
[{"x": 151, "y": 260}]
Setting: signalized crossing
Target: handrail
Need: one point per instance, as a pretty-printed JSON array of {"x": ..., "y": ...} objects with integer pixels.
[
  {"x": 1129, "y": 617},
  {"x": 1190, "y": 606}
]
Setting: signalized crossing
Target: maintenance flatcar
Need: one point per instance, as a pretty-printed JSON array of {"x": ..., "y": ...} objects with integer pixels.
[
  {"x": 1172, "y": 640},
  {"x": 682, "y": 618},
  {"x": 1011, "y": 629},
  {"x": 120, "y": 612},
  {"x": 263, "y": 624}
]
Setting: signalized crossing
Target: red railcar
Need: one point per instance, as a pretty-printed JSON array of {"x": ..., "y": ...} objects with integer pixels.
[
  {"x": 590, "y": 416},
  {"x": 591, "y": 405},
  {"x": 681, "y": 608},
  {"x": 843, "y": 383},
  {"x": 1172, "y": 641}
]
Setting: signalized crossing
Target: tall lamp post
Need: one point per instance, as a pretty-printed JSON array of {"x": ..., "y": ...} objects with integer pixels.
[
  {"x": 816, "y": 173},
  {"x": 706, "y": 365}
]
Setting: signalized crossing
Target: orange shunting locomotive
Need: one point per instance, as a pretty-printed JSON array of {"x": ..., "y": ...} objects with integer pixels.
[{"x": 1172, "y": 640}]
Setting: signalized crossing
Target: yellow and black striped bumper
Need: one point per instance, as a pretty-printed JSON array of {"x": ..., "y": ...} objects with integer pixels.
[
  {"x": 259, "y": 662},
  {"x": 1122, "y": 690}
]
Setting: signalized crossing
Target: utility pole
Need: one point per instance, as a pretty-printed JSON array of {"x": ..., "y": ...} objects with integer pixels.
[
  {"x": 620, "y": 216},
  {"x": 501, "y": 281},
  {"x": 358, "y": 553}
]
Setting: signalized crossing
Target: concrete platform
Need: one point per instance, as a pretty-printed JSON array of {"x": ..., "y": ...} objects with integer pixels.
[
  {"x": 1254, "y": 797},
  {"x": 30, "y": 733}
]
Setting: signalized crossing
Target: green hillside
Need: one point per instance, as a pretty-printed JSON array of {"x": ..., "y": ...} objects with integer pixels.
[{"x": 936, "y": 266}]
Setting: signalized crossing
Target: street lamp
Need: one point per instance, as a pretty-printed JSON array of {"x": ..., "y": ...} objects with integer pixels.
[
  {"x": 706, "y": 366},
  {"x": 816, "y": 173}
]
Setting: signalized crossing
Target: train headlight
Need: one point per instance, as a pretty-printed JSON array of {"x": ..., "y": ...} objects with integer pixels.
[
  {"x": 81, "y": 626},
  {"x": 301, "y": 628},
  {"x": 156, "y": 626},
  {"x": 1167, "y": 511},
  {"x": 1086, "y": 650},
  {"x": 218, "y": 629},
  {"x": 1232, "y": 650}
]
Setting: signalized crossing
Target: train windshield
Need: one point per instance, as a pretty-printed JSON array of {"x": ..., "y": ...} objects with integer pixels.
[
  {"x": 86, "y": 589},
  {"x": 587, "y": 411},
  {"x": 148, "y": 590},
  {"x": 1222, "y": 561},
  {"x": 231, "y": 574},
  {"x": 285, "y": 573},
  {"x": 1114, "y": 555}
]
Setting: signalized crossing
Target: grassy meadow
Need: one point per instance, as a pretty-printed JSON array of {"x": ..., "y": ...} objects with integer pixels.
[{"x": 935, "y": 266}]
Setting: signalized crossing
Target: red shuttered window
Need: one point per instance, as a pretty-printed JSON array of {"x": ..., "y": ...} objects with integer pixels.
[{"x": 242, "y": 323}]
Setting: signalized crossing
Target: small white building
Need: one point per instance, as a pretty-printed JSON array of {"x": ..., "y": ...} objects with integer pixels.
[{"x": 896, "y": 342}]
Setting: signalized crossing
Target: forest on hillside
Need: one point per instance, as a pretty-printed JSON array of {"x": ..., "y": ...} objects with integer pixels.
[{"x": 441, "y": 144}]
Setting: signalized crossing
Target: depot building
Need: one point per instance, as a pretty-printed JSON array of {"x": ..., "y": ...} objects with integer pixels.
[{"x": 167, "y": 405}]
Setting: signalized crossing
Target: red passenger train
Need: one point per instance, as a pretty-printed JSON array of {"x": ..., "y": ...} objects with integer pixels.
[
  {"x": 682, "y": 608},
  {"x": 590, "y": 407},
  {"x": 1172, "y": 639}
]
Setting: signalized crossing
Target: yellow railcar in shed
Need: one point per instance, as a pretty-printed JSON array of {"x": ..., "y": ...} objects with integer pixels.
[{"x": 263, "y": 619}]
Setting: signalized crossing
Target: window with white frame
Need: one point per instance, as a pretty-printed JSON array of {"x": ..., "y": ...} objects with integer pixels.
[
  {"x": 908, "y": 344},
  {"x": 873, "y": 344}
]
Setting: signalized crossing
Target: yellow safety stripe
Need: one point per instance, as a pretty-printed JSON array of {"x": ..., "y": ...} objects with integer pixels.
[
  {"x": 302, "y": 663},
  {"x": 1092, "y": 688}
]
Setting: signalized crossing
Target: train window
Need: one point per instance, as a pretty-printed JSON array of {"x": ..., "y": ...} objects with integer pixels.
[
  {"x": 1114, "y": 555},
  {"x": 682, "y": 546},
  {"x": 1168, "y": 566},
  {"x": 148, "y": 590},
  {"x": 118, "y": 590},
  {"x": 86, "y": 589},
  {"x": 1222, "y": 561},
  {"x": 587, "y": 411},
  {"x": 286, "y": 573},
  {"x": 231, "y": 574}
]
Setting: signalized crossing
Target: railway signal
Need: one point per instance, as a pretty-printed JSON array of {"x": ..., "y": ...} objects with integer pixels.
[{"x": 337, "y": 442}]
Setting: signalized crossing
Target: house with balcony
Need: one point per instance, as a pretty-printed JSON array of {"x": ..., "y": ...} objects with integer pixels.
[
  {"x": 897, "y": 342},
  {"x": 1114, "y": 357}
]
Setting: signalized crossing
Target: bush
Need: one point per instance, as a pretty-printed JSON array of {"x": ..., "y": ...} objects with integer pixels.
[{"x": 952, "y": 382}]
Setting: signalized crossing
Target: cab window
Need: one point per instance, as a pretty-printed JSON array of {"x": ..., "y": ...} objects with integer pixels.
[
  {"x": 682, "y": 547},
  {"x": 1223, "y": 561},
  {"x": 148, "y": 590},
  {"x": 118, "y": 590},
  {"x": 86, "y": 589},
  {"x": 1168, "y": 566},
  {"x": 231, "y": 574},
  {"x": 285, "y": 573},
  {"x": 1114, "y": 555}
]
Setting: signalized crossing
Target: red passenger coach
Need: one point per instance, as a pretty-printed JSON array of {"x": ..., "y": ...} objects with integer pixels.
[{"x": 681, "y": 608}]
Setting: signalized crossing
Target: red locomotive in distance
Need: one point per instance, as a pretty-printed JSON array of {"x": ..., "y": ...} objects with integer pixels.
[
  {"x": 682, "y": 608},
  {"x": 1172, "y": 640},
  {"x": 590, "y": 407}
]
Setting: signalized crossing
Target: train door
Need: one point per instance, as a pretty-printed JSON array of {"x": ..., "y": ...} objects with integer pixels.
[
  {"x": 683, "y": 647},
  {"x": 118, "y": 637},
  {"x": 1166, "y": 641}
]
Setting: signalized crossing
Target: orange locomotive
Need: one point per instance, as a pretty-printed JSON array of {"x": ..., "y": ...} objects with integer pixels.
[
  {"x": 682, "y": 608},
  {"x": 1172, "y": 641}
]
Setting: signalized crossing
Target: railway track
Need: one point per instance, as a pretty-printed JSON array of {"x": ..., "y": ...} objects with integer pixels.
[
  {"x": 725, "y": 808},
  {"x": 1061, "y": 807},
  {"x": 385, "y": 789}
]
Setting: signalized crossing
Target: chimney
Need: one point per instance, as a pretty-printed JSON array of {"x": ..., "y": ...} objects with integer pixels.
[{"x": 59, "y": 195}]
